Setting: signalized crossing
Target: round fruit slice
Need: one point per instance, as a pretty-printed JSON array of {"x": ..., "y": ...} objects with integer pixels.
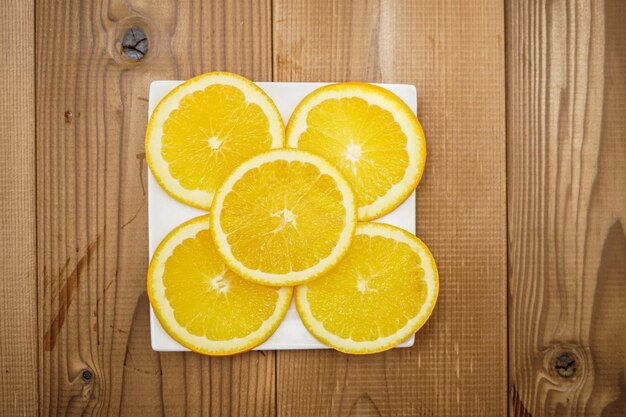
[
  {"x": 380, "y": 293},
  {"x": 201, "y": 303},
  {"x": 370, "y": 134},
  {"x": 283, "y": 217},
  {"x": 203, "y": 129}
]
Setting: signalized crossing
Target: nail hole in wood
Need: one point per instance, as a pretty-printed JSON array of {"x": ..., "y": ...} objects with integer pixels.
[
  {"x": 565, "y": 365},
  {"x": 135, "y": 43},
  {"x": 87, "y": 375}
]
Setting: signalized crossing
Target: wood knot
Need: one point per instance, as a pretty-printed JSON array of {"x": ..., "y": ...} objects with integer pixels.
[
  {"x": 87, "y": 375},
  {"x": 69, "y": 116},
  {"x": 135, "y": 43},
  {"x": 565, "y": 365}
]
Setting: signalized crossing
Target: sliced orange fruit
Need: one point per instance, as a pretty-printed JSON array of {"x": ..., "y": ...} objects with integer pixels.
[
  {"x": 378, "y": 295},
  {"x": 203, "y": 129},
  {"x": 370, "y": 135},
  {"x": 201, "y": 303},
  {"x": 283, "y": 217}
]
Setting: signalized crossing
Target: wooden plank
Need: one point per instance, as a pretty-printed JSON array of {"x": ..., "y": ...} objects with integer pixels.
[
  {"x": 453, "y": 52},
  {"x": 92, "y": 209},
  {"x": 566, "y": 101},
  {"x": 18, "y": 280}
]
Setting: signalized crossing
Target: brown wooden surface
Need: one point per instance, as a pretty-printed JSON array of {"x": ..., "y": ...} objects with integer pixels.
[
  {"x": 453, "y": 53},
  {"x": 18, "y": 286},
  {"x": 74, "y": 313},
  {"x": 92, "y": 208},
  {"x": 566, "y": 106}
]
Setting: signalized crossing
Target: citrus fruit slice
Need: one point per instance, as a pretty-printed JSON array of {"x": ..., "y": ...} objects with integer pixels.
[
  {"x": 203, "y": 129},
  {"x": 283, "y": 217},
  {"x": 370, "y": 135},
  {"x": 378, "y": 295},
  {"x": 201, "y": 303}
]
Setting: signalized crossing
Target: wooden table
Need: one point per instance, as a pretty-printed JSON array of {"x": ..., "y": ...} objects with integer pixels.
[{"x": 523, "y": 204}]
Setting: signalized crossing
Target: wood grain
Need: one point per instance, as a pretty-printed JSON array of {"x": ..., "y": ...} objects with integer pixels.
[
  {"x": 566, "y": 101},
  {"x": 91, "y": 207},
  {"x": 453, "y": 52},
  {"x": 18, "y": 280}
]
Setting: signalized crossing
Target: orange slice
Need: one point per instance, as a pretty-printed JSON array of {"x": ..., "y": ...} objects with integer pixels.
[
  {"x": 203, "y": 129},
  {"x": 378, "y": 295},
  {"x": 201, "y": 303},
  {"x": 283, "y": 217},
  {"x": 370, "y": 135}
]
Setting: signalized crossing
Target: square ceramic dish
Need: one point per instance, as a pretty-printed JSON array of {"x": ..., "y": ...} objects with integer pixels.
[{"x": 165, "y": 213}]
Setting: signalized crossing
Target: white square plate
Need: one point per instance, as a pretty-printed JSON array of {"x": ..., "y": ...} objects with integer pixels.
[{"x": 165, "y": 213}]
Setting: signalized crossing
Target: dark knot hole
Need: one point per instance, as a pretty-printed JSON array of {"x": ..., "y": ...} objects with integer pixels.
[
  {"x": 135, "y": 43},
  {"x": 87, "y": 375},
  {"x": 565, "y": 365}
]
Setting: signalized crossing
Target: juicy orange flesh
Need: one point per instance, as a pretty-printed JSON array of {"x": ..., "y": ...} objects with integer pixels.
[
  {"x": 373, "y": 291},
  {"x": 208, "y": 299},
  {"x": 275, "y": 213},
  {"x": 210, "y": 133},
  {"x": 363, "y": 141}
]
